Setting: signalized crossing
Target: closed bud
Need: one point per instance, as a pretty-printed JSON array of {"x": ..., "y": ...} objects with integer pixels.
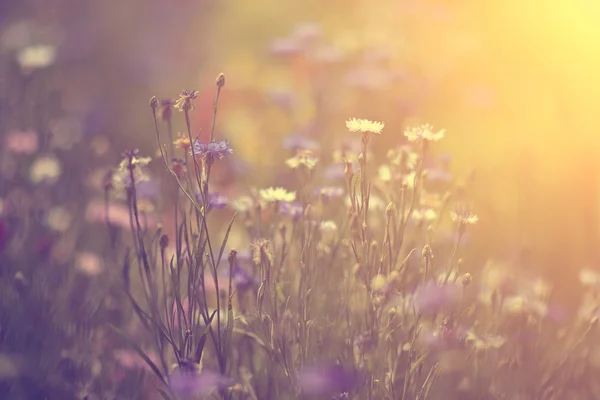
[
  {"x": 389, "y": 210},
  {"x": 154, "y": 102},
  {"x": 466, "y": 279},
  {"x": 232, "y": 257},
  {"x": 427, "y": 252},
  {"x": 164, "y": 242},
  {"x": 221, "y": 80}
]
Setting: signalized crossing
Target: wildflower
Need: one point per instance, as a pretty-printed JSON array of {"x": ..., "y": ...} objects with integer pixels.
[
  {"x": 427, "y": 215},
  {"x": 66, "y": 132},
  {"x": 307, "y": 31},
  {"x": 303, "y": 158},
  {"x": 424, "y": 132},
  {"x": 589, "y": 278},
  {"x": 130, "y": 359},
  {"x": 285, "y": 47},
  {"x": 121, "y": 178},
  {"x": 276, "y": 194},
  {"x": 378, "y": 283},
  {"x": 328, "y": 192},
  {"x": 299, "y": 142},
  {"x": 216, "y": 200},
  {"x": 192, "y": 384},
  {"x": 327, "y": 54},
  {"x": 178, "y": 166},
  {"x": 59, "y": 219},
  {"x": 36, "y": 57},
  {"x": 261, "y": 251},
  {"x": 293, "y": 209},
  {"x": 385, "y": 173},
  {"x": 182, "y": 142},
  {"x": 326, "y": 380},
  {"x": 463, "y": 216},
  {"x": 431, "y": 297},
  {"x": 241, "y": 277},
  {"x": 88, "y": 263},
  {"x": 243, "y": 204},
  {"x": 45, "y": 168},
  {"x": 22, "y": 142},
  {"x": 211, "y": 151},
  {"x": 484, "y": 343},
  {"x": 364, "y": 126},
  {"x": 184, "y": 102},
  {"x": 409, "y": 180},
  {"x": 283, "y": 98}
]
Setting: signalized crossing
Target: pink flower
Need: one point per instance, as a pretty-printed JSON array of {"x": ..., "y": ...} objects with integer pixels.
[{"x": 20, "y": 142}]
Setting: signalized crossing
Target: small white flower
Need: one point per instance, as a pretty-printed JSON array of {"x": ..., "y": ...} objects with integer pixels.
[
  {"x": 36, "y": 56},
  {"x": 45, "y": 168},
  {"x": 59, "y": 219},
  {"x": 424, "y": 132},
  {"x": 364, "y": 126}
]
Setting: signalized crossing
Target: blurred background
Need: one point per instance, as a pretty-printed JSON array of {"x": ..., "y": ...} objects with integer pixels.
[{"x": 514, "y": 83}]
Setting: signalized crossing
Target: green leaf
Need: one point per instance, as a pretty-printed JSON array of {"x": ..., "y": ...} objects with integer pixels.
[
  {"x": 202, "y": 341},
  {"x": 141, "y": 352},
  {"x": 224, "y": 243},
  {"x": 164, "y": 394}
]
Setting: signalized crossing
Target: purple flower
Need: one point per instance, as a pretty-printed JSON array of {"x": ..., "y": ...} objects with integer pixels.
[
  {"x": 191, "y": 384},
  {"x": 326, "y": 380},
  {"x": 300, "y": 142},
  {"x": 216, "y": 200},
  {"x": 334, "y": 172},
  {"x": 283, "y": 98},
  {"x": 431, "y": 297},
  {"x": 242, "y": 278},
  {"x": 293, "y": 209},
  {"x": 329, "y": 192},
  {"x": 285, "y": 47},
  {"x": 438, "y": 175},
  {"x": 211, "y": 151}
]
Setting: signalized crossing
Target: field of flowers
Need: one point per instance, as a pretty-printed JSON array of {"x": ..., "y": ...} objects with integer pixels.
[{"x": 368, "y": 209}]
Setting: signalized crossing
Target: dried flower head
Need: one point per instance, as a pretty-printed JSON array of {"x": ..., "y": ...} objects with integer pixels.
[
  {"x": 424, "y": 132},
  {"x": 364, "y": 126},
  {"x": 184, "y": 102},
  {"x": 276, "y": 194},
  {"x": 182, "y": 142},
  {"x": 261, "y": 251}
]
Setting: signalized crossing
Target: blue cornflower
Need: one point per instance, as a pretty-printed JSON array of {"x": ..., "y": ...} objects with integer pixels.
[
  {"x": 215, "y": 200},
  {"x": 211, "y": 151}
]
